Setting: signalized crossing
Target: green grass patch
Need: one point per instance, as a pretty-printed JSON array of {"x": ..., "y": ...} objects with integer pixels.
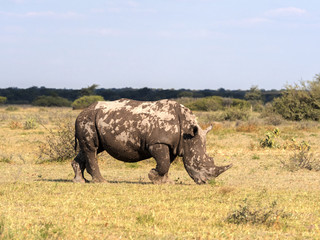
[{"x": 132, "y": 165}]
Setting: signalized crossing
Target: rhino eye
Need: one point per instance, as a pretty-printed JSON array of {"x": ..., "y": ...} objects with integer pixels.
[{"x": 187, "y": 136}]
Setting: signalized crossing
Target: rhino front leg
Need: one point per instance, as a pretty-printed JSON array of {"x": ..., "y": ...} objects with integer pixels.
[
  {"x": 161, "y": 154},
  {"x": 93, "y": 167},
  {"x": 78, "y": 165}
]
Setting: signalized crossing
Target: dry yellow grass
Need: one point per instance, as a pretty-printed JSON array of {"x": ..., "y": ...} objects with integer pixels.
[{"x": 39, "y": 201}]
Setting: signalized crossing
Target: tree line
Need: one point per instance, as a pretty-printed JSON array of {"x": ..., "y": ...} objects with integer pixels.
[
  {"x": 297, "y": 102},
  {"x": 29, "y": 95}
]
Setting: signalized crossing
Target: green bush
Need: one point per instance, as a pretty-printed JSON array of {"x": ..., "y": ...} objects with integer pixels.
[
  {"x": 86, "y": 101},
  {"x": 206, "y": 104},
  {"x": 216, "y": 103},
  {"x": 300, "y": 102},
  {"x": 3, "y": 100},
  {"x": 296, "y": 105},
  {"x": 50, "y": 101},
  {"x": 233, "y": 114},
  {"x": 240, "y": 104}
]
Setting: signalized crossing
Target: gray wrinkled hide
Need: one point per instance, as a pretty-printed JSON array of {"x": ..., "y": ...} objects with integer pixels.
[{"x": 132, "y": 131}]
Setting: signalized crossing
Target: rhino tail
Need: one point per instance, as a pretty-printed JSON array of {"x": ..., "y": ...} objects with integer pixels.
[{"x": 75, "y": 143}]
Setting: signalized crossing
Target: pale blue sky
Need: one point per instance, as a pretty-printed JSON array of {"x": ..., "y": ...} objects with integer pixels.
[{"x": 193, "y": 44}]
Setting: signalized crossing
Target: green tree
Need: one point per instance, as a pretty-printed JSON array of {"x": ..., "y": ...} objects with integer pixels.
[
  {"x": 185, "y": 94},
  {"x": 254, "y": 94},
  {"x": 89, "y": 90},
  {"x": 254, "y": 97}
]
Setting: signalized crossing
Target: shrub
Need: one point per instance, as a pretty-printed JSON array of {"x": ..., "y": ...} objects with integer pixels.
[
  {"x": 293, "y": 144},
  {"x": 274, "y": 119},
  {"x": 296, "y": 105},
  {"x": 246, "y": 214},
  {"x": 216, "y": 103},
  {"x": 302, "y": 159},
  {"x": 270, "y": 116},
  {"x": 86, "y": 101},
  {"x": 59, "y": 145},
  {"x": 206, "y": 104},
  {"x": 50, "y": 101},
  {"x": 240, "y": 104},
  {"x": 233, "y": 114},
  {"x": 269, "y": 140}
]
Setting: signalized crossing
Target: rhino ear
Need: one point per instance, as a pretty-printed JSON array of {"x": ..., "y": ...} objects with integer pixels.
[
  {"x": 195, "y": 130},
  {"x": 191, "y": 133}
]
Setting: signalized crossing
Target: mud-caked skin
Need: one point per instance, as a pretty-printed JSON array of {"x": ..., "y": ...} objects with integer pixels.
[{"x": 132, "y": 131}]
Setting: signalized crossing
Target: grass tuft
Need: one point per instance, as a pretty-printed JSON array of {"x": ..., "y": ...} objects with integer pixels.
[
  {"x": 5, "y": 233},
  {"x": 30, "y": 123},
  {"x": 146, "y": 219},
  {"x": 49, "y": 231},
  {"x": 132, "y": 165},
  {"x": 6, "y": 159},
  {"x": 12, "y": 109}
]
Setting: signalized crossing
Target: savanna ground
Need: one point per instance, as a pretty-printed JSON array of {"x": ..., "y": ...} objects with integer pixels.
[{"x": 259, "y": 198}]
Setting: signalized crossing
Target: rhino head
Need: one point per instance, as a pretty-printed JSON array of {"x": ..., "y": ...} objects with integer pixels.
[{"x": 198, "y": 164}]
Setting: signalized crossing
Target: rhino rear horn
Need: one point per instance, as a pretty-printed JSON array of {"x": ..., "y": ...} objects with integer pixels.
[{"x": 208, "y": 129}]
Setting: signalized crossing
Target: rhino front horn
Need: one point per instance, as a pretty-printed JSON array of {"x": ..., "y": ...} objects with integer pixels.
[{"x": 219, "y": 170}]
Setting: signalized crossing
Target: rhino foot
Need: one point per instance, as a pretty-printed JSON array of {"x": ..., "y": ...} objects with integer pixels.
[
  {"x": 155, "y": 178},
  {"x": 98, "y": 180},
  {"x": 79, "y": 180}
]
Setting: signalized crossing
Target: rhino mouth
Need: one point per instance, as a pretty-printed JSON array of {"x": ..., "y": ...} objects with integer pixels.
[
  {"x": 198, "y": 176},
  {"x": 200, "y": 181}
]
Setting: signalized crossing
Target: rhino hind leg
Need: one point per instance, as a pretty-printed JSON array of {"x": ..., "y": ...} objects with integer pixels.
[
  {"x": 161, "y": 153},
  {"x": 92, "y": 166},
  {"x": 78, "y": 165}
]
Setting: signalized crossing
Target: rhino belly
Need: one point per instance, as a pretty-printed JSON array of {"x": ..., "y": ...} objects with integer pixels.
[
  {"x": 124, "y": 147},
  {"x": 126, "y": 154}
]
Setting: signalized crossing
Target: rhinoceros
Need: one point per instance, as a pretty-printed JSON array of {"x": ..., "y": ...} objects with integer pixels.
[{"x": 132, "y": 131}]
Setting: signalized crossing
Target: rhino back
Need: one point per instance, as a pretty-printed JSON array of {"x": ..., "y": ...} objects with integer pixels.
[{"x": 126, "y": 127}]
